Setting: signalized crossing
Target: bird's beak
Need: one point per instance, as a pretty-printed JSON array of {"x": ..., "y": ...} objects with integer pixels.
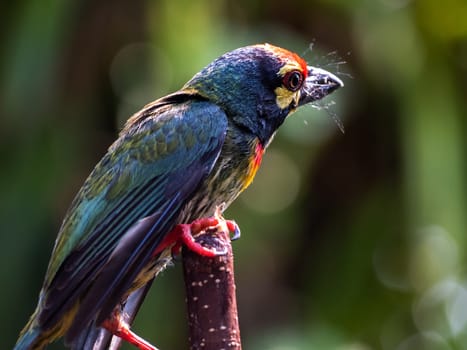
[{"x": 318, "y": 84}]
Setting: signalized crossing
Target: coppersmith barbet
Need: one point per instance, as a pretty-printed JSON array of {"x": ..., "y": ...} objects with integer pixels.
[{"x": 175, "y": 161}]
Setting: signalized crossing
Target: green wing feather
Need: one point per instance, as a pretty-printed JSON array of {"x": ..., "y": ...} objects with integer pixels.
[{"x": 150, "y": 172}]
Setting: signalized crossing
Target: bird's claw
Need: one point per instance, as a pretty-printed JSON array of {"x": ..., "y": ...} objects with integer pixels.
[
  {"x": 183, "y": 235},
  {"x": 234, "y": 229},
  {"x": 230, "y": 225},
  {"x": 187, "y": 232}
]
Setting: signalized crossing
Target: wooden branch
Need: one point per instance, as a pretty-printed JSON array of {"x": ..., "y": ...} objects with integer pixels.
[{"x": 210, "y": 295}]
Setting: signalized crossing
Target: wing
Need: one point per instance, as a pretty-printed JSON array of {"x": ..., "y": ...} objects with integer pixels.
[{"x": 126, "y": 206}]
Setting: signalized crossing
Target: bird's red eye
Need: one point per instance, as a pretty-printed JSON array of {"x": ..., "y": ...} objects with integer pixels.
[{"x": 293, "y": 80}]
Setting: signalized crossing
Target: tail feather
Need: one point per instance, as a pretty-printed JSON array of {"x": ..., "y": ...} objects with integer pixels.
[
  {"x": 92, "y": 338},
  {"x": 29, "y": 340},
  {"x": 97, "y": 338}
]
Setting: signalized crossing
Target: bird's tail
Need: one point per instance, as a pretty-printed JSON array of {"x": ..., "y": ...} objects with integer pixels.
[
  {"x": 30, "y": 337},
  {"x": 97, "y": 338}
]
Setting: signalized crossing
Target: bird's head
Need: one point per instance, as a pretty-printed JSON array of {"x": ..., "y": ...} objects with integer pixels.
[{"x": 259, "y": 86}]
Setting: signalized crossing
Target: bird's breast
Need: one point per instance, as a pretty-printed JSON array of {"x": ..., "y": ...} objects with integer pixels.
[
  {"x": 254, "y": 163},
  {"x": 233, "y": 172}
]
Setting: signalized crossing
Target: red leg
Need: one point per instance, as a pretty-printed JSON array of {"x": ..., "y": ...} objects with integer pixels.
[
  {"x": 121, "y": 329},
  {"x": 182, "y": 234}
]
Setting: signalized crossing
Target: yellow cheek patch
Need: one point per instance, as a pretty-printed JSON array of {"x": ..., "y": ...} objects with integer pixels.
[{"x": 285, "y": 97}]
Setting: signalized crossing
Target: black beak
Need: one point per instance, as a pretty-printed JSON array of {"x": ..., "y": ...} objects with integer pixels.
[{"x": 318, "y": 84}]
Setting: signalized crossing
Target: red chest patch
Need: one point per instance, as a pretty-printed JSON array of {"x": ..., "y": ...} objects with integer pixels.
[{"x": 255, "y": 162}]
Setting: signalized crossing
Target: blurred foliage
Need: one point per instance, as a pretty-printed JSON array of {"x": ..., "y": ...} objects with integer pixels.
[{"x": 350, "y": 241}]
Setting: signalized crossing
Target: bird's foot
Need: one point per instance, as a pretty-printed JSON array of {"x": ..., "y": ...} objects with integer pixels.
[
  {"x": 118, "y": 327},
  {"x": 183, "y": 235}
]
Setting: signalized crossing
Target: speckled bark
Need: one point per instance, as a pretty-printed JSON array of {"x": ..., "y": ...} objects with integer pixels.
[{"x": 210, "y": 291}]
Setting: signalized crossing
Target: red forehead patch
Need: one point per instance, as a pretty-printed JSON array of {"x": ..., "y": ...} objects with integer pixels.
[{"x": 287, "y": 56}]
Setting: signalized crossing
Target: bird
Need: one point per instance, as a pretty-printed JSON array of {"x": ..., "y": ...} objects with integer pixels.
[{"x": 174, "y": 163}]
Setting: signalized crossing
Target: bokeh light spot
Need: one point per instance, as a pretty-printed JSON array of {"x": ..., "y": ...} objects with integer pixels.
[
  {"x": 434, "y": 257},
  {"x": 456, "y": 307},
  {"x": 429, "y": 310}
]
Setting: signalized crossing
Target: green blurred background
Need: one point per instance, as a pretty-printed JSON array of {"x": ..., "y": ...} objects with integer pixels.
[{"x": 350, "y": 241}]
